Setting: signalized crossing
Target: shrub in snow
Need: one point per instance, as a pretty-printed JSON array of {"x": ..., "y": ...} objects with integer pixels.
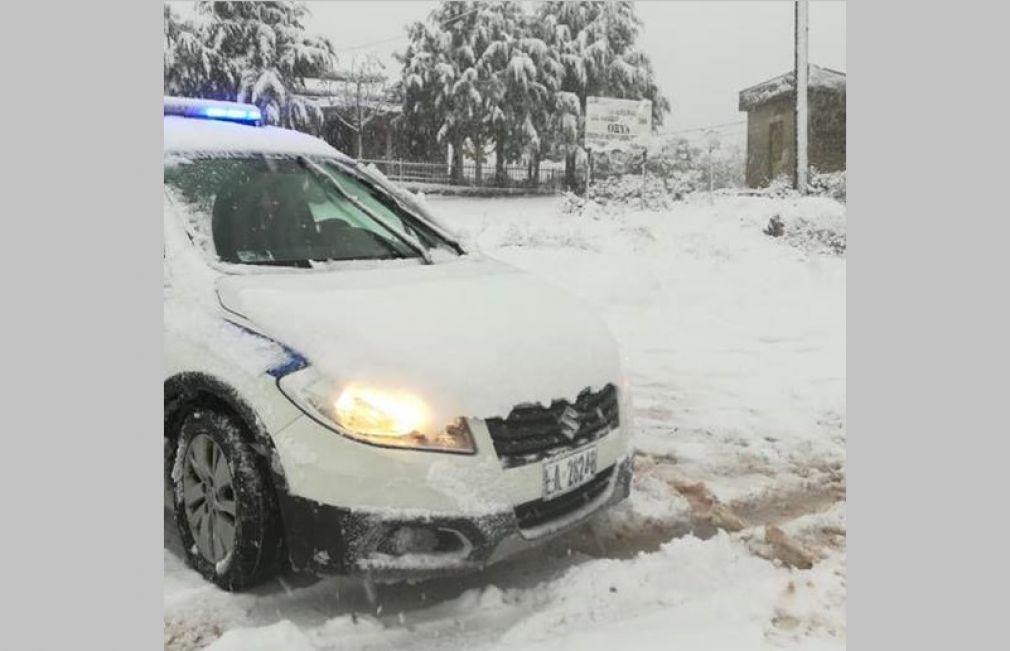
[
  {"x": 819, "y": 184},
  {"x": 812, "y": 224},
  {"x": 573, "y": 204},
  {"x": 775, "y": 227},
  {"x": 638, "y": 193},
  {"x": 827, "y": 184},
  {"x": 815, "y": 238},
  {"x": 780, "y": 186}
]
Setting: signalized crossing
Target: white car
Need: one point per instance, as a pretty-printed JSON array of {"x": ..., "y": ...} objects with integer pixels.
[{"x": 349, "y": 390}]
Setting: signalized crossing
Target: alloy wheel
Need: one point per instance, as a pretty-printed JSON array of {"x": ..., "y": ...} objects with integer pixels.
[{"x": 209, "y": 498}]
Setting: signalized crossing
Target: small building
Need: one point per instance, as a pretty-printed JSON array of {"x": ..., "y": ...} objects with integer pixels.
[{"x": 771, "y": 124}]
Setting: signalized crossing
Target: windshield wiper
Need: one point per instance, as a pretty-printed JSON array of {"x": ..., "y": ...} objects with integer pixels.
[
  {"x": 317, "y": 171},
  {"x": 299, "y": 264},
  {"x": 364, "y": 175}
]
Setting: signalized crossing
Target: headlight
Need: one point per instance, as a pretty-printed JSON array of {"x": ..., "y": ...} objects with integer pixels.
[
  {"x": 373, "y": 414},
  {"x": 376, "y": 412}
]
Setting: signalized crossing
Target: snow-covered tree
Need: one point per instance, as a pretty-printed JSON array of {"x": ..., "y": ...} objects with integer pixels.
[
  {"x": 440, "y": 83},
  {"x": 594, "y": 41},
  {"x": 521, "y": 75},
  {"x": 192, "y": 67},
  {"x": 457, "y": 66},
  {"x": 479, "y": 71},
  {"x": 256, "y": 52},
  {"x": 425, "y": 77}
]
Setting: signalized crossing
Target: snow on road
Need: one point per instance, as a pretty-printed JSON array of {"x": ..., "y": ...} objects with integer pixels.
[{"x": 734, "y": 537}]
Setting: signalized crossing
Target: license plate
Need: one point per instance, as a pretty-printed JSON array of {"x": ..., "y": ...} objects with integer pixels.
[{"x": 569, "y": 472}]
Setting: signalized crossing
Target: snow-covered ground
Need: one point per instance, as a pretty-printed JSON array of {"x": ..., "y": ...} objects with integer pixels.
[{"x": 734, "y": 536}]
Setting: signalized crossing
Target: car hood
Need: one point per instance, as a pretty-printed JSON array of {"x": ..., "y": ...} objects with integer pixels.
[{"x": 473, "y": 337}]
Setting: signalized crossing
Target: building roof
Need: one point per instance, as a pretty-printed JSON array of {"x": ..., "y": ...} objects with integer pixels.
[
  {"x": 786, "y": 83},
  {"x": 328, "y": 93}
]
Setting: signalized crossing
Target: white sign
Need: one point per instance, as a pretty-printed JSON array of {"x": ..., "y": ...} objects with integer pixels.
[{"x": 617, "y": 123}]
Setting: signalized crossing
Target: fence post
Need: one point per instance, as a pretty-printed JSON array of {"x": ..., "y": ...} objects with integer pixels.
[{"x": 645, "y": 159}]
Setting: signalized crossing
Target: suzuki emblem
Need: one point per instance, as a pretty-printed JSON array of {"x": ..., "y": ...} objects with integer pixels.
[{"x": 570, "y": 423}]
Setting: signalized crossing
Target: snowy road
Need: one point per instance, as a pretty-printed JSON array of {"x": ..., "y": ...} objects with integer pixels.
[{"x": 734, "y": 537}]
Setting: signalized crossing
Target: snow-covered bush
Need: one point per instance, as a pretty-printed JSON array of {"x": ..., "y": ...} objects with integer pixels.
[
  {"x": 573, "y": 204},
  {"x": 815, "y": 237},
  {"x": 638, "y": 193},
  {"x": 827, "y": 184},
  {"x": 812, "y": 224},
  {"x": 819, "y": 184},
  {"x": 633, "y": 191},
  {"x": 781, "y": 186}
]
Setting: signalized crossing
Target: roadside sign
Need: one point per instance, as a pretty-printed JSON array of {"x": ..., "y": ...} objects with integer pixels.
[{"x": 617, "y": 123}]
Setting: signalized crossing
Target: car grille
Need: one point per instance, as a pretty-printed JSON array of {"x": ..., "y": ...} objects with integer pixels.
[
  {"x": 538, "y": 512},
  {"x": 532, "y": 432}
]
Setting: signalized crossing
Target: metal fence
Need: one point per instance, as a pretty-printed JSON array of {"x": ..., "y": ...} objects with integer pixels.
[{"x": 516, "y": 176}]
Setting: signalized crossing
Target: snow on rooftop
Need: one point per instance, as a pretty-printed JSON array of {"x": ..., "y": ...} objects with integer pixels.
[
  {"x": 767, "y": 90},
  {"x": 190, "y": 135}
]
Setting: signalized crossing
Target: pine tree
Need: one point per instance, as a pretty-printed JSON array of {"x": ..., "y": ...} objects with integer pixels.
[
  {"x": 436, "y": 97},
  {"x": 254, "y": 52},
  {"x": 480, "y": 71},
  {"x": 425, "y": 78},
  {"x": 192, "y": 68},
  {"x": 519, "y": 88},
  {"x": 595, "y": 43}
]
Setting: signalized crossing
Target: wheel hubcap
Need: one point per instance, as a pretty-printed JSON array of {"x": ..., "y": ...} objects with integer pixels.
[{"x": 209, "y": 498}]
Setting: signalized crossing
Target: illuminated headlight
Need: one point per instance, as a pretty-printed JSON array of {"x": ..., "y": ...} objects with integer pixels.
[{"x": 374, "y": 414}]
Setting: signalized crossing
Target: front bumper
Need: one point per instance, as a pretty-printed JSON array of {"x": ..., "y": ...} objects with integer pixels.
[{"x": 329, "y": 539}]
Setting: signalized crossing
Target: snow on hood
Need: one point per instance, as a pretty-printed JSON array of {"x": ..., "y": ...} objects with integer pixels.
[
  {"x": 473, "y": 337},
  {"x": 194, "y": 135}
]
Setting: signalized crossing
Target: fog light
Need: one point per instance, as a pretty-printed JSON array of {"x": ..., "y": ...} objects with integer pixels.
[
  {"x": 413, "y": 540},
  {"x": 406, "y": 539}
]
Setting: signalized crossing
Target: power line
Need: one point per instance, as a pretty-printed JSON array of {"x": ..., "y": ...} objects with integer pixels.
[
  {"x": 367, "y": 45},
  {"x": 713, "y": 127},
  {"x": 403, "y": 36}
]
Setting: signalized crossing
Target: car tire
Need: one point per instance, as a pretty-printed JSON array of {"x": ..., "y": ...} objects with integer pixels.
[{"x": 226, "y": 509}]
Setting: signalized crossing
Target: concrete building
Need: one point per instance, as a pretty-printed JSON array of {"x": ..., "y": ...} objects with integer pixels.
[{"x": 771, "y": 143}]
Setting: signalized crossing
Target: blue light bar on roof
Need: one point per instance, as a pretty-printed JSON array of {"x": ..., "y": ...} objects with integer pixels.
[{"x": 209, "y": 109}]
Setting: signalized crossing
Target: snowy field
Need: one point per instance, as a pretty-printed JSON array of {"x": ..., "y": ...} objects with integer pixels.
[{"x": 734, "y": 536}]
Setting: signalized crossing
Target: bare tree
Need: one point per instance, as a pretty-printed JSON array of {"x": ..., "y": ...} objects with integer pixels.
[{"x": 363, "y": 85}]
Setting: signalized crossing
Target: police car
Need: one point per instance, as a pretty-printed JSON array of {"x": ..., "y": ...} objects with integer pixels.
[{"x": 348, "y": 388}]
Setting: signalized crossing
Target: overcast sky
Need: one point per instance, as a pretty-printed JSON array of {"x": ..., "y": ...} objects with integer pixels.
[{"x": 703, "y": 52}]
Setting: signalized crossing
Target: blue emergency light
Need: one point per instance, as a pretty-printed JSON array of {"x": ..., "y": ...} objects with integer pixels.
[{"x": 209, "y": 109}]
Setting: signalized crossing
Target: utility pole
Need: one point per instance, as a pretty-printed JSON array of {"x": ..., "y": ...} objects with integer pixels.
[{"x": 801, "y": 73}]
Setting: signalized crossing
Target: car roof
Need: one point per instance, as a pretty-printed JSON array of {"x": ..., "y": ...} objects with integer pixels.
[{"x": 185, "y": 134}]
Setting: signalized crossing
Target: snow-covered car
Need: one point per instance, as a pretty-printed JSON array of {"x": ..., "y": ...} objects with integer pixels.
[{"x": 350, "y": 390}]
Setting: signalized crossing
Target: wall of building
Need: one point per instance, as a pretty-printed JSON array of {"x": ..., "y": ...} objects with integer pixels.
[
  {"x": 770, "y": 128},
  {"x": 827, "y": 130},
  {"x": 763, "y": 122}
]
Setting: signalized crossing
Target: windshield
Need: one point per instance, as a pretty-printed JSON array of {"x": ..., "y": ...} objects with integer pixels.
[{"x": 293, "y": 211}]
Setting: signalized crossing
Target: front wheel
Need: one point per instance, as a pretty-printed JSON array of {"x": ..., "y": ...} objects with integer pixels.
[{"x": 225, "y": 507}]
